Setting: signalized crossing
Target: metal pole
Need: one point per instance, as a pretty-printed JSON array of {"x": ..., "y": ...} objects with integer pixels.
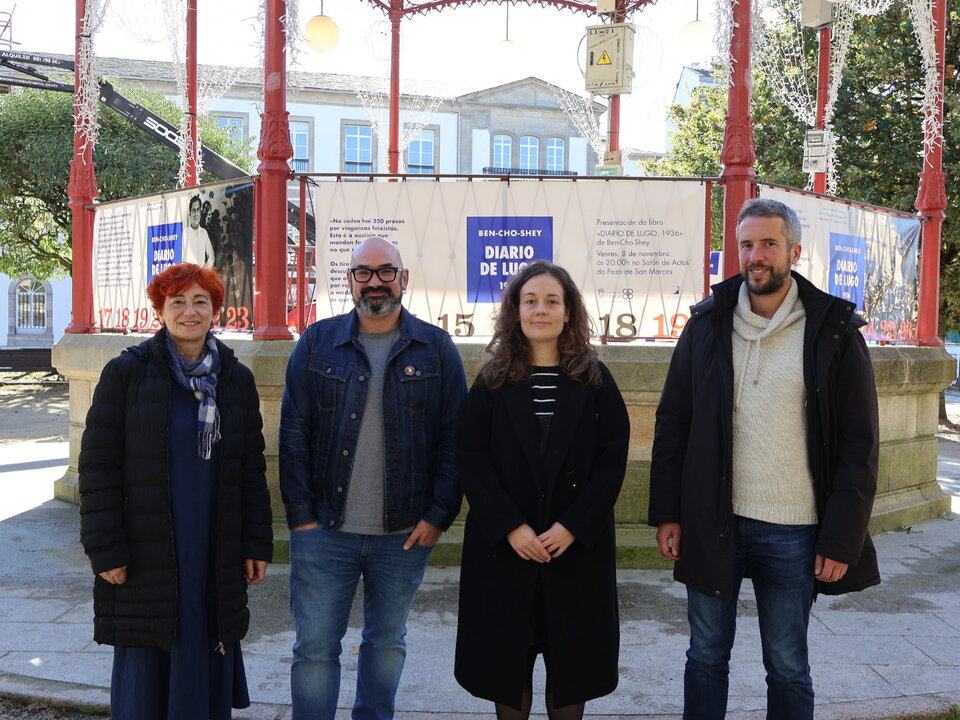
[
  {"x": 823, "y": 97},
  {"x": 274, "y": 152},
  {"x": 708, "y": 224},
  {"x": 613, "y": 126},
  {"x": 301, "y": 260},
  {"x": 191, "y": 109},
  {"x": 738, "y": 155},
  {"x": 932, "y": 201},
  {"x": 393, "y": 152},
  {"x": 82, "y": 190}
]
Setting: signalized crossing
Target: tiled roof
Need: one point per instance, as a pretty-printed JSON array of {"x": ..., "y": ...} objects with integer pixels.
[{"x": 252, "y": 77}]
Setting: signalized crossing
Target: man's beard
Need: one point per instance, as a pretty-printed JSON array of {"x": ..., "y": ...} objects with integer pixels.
[
  {"x": 772, "y": 284},
  {"x": 377, "y": 307}
]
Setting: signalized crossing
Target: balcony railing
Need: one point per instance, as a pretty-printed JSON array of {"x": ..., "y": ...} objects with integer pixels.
[{"x": 525, "y": 171}]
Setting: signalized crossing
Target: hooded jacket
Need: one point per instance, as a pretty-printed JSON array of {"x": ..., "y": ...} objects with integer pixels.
[
  {"x": 691, "y": 470},
  {"x": 125, "y": 516}
]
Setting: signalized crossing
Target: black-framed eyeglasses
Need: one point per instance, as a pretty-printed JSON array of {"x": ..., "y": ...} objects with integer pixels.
[{"x": 386, "y": 274}]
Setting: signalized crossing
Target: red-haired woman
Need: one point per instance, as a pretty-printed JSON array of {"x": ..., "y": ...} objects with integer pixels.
[
  {"x": 542, "y": 449},
  {"x": 174, "y": 509}
]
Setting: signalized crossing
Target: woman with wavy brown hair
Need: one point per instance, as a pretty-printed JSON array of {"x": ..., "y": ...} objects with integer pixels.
[{"x": 542, "y": 449}]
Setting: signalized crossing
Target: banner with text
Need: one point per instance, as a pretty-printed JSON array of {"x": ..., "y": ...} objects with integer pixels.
[
  {"x": 135, "y": 240},
  {"x": 865, "y": 255},
  {"x": 635, "y": 249}
]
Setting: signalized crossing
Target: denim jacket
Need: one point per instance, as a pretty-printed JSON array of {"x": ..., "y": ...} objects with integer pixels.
[{"x": 323, "y": 401}]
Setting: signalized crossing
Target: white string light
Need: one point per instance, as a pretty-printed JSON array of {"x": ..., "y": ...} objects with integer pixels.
[
  {"x": 293, "y": 31},
  {"x": 870, "y": 7},
  {"x": 781, "y": 57},
  {"x": 372, "y": 97},
  {"x": 418, "y": 110},
  {"x": 921, "y": 13},
  {"x": 214, "y": 81},
  {"x": 725, "y": 27},
  {"x": 175, "y": 17},
  {"x": 87, "y": 90},
  {"x": 788, "y": 72},
  {"x": 580, "y": 111},
  {"x": 139, "y": 20}
]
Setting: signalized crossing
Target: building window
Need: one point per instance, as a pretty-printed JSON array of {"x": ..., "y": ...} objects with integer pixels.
[
  {"x": 300, "y": 140},
  {"x": 235, "y": 125},
  {"x": 529, "y": 152},
  {"x": 357, "y": 149},
  {"x": 502, "y": 151},
  {"x": 556, "y": 151},
  {"x": 31, "y": 307},
  {"x": 420, "y": 153}
]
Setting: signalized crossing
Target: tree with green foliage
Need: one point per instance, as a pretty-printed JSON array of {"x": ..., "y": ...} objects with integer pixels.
[
  {"x": 877, "y": 122},
  {"x": 37, "y": 128}
]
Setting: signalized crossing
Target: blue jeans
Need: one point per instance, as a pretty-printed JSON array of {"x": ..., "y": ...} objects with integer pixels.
[
  {"x": 325, "y": 567},
  {"x": 779, "y": 559}
]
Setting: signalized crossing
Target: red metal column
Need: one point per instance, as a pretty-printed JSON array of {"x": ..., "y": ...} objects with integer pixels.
[
  {"x": 393, "y": 152},
  {"x": 302, "y": 260},
  {"x": 274, "y": 152},
  {"x": 932, "y": 201},
  {"x": 738, "y": 155},
  {"x": 613, "y": 126},
  {"x": 707, "y": 226},
  {"x": 81, "y": 190},
  {"x": 191, "y": 109},
  {"x": 823, "y": 96}
]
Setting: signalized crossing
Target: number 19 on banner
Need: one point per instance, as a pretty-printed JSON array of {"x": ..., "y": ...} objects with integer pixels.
[{"x": 626, "y": 325}]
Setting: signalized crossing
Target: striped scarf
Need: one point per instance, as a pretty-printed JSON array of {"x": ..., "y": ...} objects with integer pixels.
[{"x": 200, "y": 377}]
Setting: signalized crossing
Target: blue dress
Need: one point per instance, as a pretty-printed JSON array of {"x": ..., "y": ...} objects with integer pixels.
[{"x": 195, "y": 680}]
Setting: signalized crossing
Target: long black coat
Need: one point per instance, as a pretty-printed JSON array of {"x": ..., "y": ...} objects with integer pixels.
[
  {"x": 690, "y": 474},
  {"x": 125, "y": 498},
  {"x": 508, "y": 483}
]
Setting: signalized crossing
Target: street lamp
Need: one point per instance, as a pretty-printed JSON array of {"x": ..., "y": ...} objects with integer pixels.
[
  {"x": 321, "y": 33},
  {"x": 507, "y": 48},
  {"x": 696, "y": 39}
]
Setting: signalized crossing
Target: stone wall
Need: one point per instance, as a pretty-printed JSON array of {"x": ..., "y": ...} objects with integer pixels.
[{"x": 909, "y": 380}]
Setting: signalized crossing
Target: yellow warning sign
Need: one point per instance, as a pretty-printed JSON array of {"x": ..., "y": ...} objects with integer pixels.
[{"x": 604, "y": 59}]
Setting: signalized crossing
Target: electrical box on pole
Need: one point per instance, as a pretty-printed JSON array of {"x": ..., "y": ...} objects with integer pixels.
[
  {"x": 817, "y": 13},
  {"x": 816, "y": 150},
  {"x": 610, "y": 59}
]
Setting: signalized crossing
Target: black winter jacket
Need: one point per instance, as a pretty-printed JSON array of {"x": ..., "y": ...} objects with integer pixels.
[
  {"x": 125, "y": 516},
  {"x": 509, "y": 481},
  {"x": 690, "y": 474}
]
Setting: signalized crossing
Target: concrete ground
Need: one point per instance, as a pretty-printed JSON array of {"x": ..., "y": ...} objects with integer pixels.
[{"x": 891, "y": 650}]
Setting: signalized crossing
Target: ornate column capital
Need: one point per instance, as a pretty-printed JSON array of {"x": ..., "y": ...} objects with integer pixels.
[
  {"x": 83, "y": 181},
  {"x": 932, "y": 192},
  {"x": 275, "y": 148},
  {"x": 738, "y": 143}
]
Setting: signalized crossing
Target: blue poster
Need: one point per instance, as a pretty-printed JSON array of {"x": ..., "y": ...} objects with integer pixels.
[
  {"x": 847, "y": 265},
  {"x": 498, "y": 247},
  {"x": 164, "y": 247}
]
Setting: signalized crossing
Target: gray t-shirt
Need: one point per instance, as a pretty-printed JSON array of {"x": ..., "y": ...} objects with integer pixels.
[{"x": 364, "y": 508}]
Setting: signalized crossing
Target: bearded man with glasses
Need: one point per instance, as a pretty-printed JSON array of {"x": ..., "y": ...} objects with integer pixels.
[{"x": 368, "y": 478}]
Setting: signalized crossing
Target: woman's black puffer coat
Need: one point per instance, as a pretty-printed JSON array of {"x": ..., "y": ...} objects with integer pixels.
[{"x": 125, "y": 516}]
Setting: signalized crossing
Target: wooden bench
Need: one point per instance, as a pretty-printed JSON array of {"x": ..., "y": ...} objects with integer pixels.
[{"x": 25, "y": 360}]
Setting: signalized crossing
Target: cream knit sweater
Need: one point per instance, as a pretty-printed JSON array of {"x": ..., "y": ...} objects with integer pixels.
[{"x": 771, "y": 474}]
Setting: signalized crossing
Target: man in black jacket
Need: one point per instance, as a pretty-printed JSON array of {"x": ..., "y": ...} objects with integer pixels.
[{"x": 765, "y": 463}]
